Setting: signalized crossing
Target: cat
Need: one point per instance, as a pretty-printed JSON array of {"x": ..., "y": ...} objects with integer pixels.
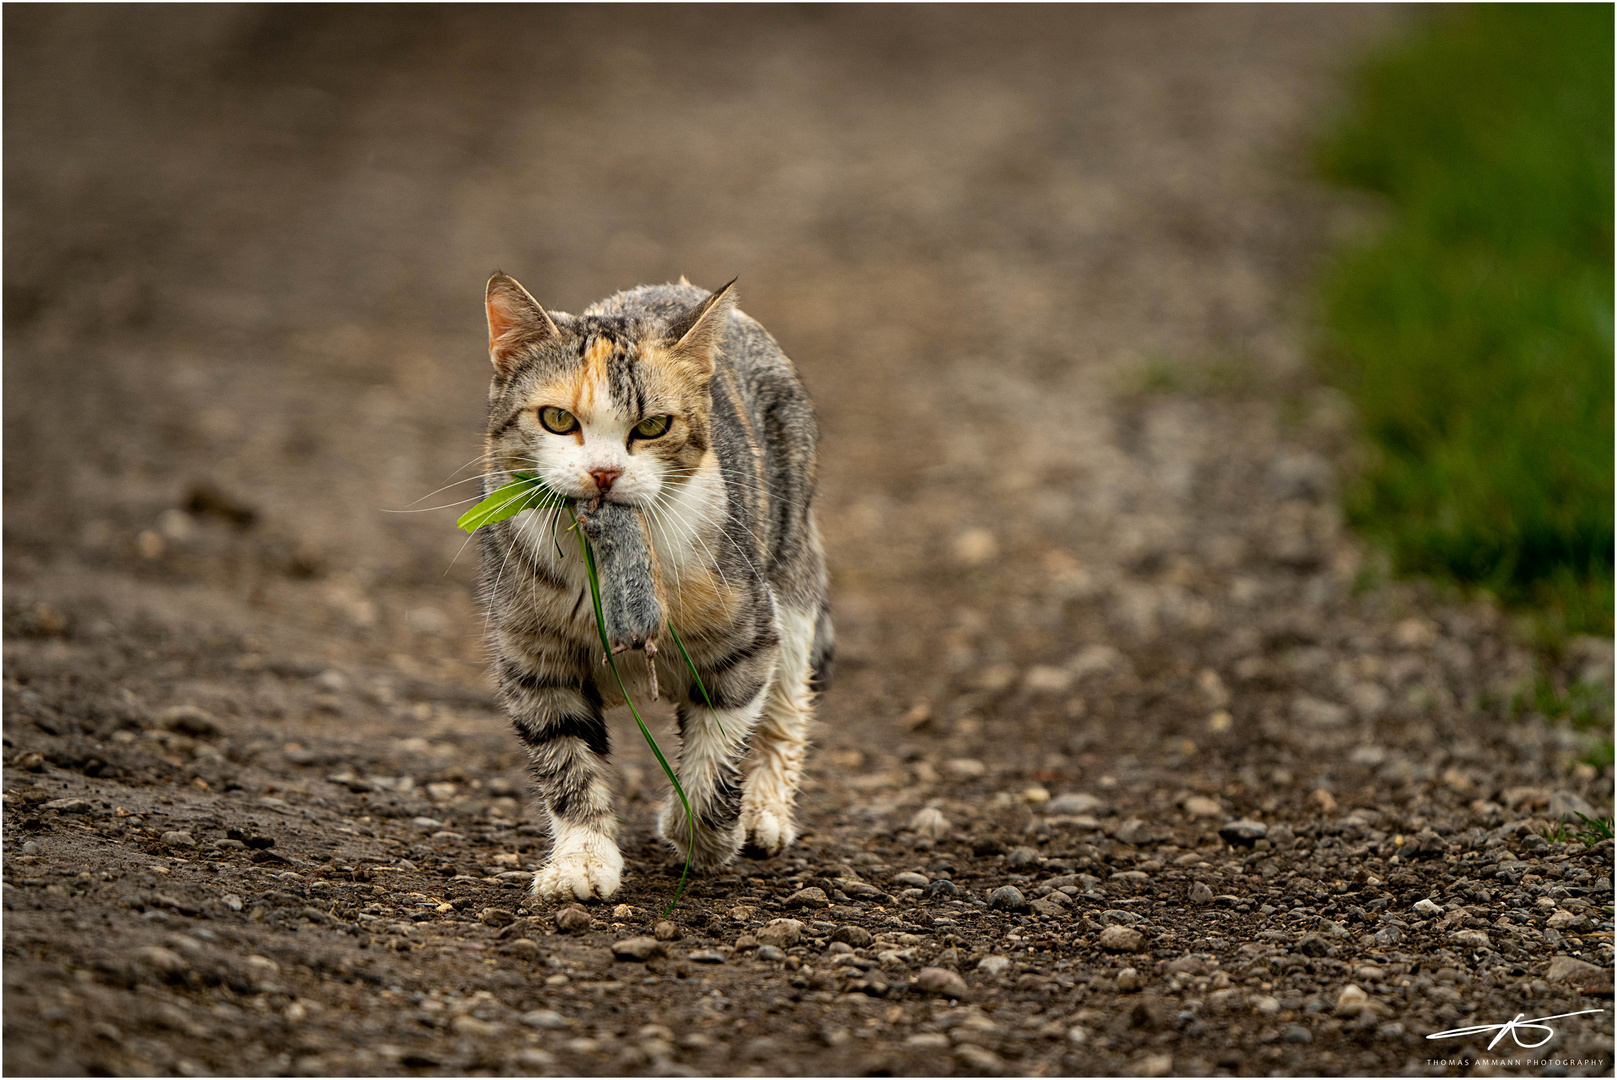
[{"x": 667, "y": 399}]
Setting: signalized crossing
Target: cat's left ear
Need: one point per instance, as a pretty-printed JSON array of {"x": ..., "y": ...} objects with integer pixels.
[
  {"x": 696, "y": 333},
  {"x": 515, "y": 321}
]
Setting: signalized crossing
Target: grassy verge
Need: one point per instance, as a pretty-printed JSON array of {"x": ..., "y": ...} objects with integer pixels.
[{"x": 1474, "y": 333}]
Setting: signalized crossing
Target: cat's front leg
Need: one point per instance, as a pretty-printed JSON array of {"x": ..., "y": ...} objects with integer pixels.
[
  {"x": 561, "y": 723},
  {"x": 713, "y": 742}
]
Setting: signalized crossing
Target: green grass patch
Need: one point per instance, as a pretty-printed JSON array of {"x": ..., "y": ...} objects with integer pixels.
[{"x": 1475, "y": 332}]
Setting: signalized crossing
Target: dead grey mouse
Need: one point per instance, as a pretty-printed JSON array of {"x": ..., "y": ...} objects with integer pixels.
[{"x": 631, "y": 580}]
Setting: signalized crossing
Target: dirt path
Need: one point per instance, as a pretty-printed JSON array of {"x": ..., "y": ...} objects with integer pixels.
[{"x": 1044, "y": 271}]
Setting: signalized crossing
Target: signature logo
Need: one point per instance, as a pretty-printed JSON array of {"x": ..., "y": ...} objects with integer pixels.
[{"x": 1514, "y": 1029}]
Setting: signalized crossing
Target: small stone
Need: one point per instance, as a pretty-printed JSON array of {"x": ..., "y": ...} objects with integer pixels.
[
  {"x": 166, "y": 963},
  {"x": 1265, "y": 1005},
  {"x": 770, "y": 953},
  {"x": 1296, "y": 1034},
  {"x": 745, "y": 942},
  {"x": 965, "y": 768},
  {"x": 1243, "y": 833},
  {"x": 1569, "y": 969},
  {"x": 1324, "y": 800},
  {"x": 638, "y": 949},
  {"x": 1202, "y": 806},
  {"x": 522, "y": 949},
  {"x": 1047, "y": 679},
  {"x": 1121, "y": 939},
  {"x": 929, "y": 823},
  {"x": 1075, "y": 803},
  {"x": 705, "y": 956},
  {"x": 473, "y": 1028},
  {"x": 1035, "y": 796},
  {"x": 808, "y": 898},
  {"x": 1471, "y": 939},
  {"x": 666, "y": 930},
  {"x": 572, "y": 919},
  {"x": 940, "y": 982},
  {"x": 493, "y": 916},
  {"x": 1386, "y": 936},
  {"x": 975, "y": 547},
  {"x": 1007, "y": 898},
  {"x": 1156, "y": 1065},
  {"x": 927, "y": 1040},
  {"x": 31, "y": 762},
  {"x": 545, "y": 1020},
  {"x": 1200, "y": 893},
  {"x": 68, "y": 806},
  {"x": 942, "y": 889},
  {"x": 1428, "y": 908},
  {"x": 1021, "y": 856},
  {"x": 1351, "y": 1001},
  {"x": 1313, "y": 945},
  {"x": 856, "y": 936},
  {"x": 187, "y": 720},
  {"x": 1128, "y": 981},
  {"x": 911, "y": 880},
  {"x": 979, "y": 1060},
  {"x": 29, "y": 847},
  {"x": 781, "y": 933},
  {"x": 994, "y": 965},
  {"x": 178, "y": 839}
]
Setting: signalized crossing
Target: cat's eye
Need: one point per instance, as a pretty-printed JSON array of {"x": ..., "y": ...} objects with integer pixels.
[
  {"x": 558, "y": 421},
  {"x": 652, "y": 426}
]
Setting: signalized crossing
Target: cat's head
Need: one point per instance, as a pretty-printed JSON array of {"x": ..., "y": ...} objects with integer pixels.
[{"x": 598, "y": 404}]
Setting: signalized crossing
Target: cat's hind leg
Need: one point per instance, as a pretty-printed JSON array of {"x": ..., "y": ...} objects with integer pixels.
[
  {"x": 562, "y": 726},
  {"x": 774, "y": 768}
]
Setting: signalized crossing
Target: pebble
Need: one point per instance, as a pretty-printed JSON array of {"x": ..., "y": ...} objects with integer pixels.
[
  {"x": 994, "y": 965},
  {"x": 770, "y": 953},
  {"x": 1244, "y": 832},
  {"x": 666, "y": 930},
  {"x": 976, "y": 1058},
  {"x": 810, "y": 897},
  {"x": 497, "y": 917},
  {"x": 1351, "y": 1001},
  {"x": 544, "y": 1020},
  {"x": 929, "y": 823},
  {"x": 637, "y": 948},
  {"x": 1313, "y": 945},
  {"x": 965, "y": 768},
  {"x": 1265, "y": 1005},
  {"x": 1200, "y": 893},
  {"x": 1075, "y": 803},
  {"x": 1007, "y": 898},
  {"x": 940, "y": 982},
  {"x": 1202, "y": 806},
  {"x": 1021, "y": 856},
  {"x": 68, "y": 806},
  {"x": 473, "y": 1028},
  {"x": 745, "y": 942},
  {"x": 911, "y": 880},
  {"x": 179, "y": 839},
  {"x": 167, "y": 963},
  {"x": 522, "y": 948},
  {"x": 942, "y": 888},
  {"x": 1297, "y": 1035},
  {"x": 1128, "y": 981},
  {"x": 928, "y": 1040},
  {"x": 1121, "y": 939},
  {"x": 29, "y": 847},
  {"x": 572, "y": 919},
  {"x": 31, "y": 762},
  {"x": 188, "y": 720},
  {"x": 1571, "y": 969},
  {"x": 705, "y": 956},
  {"x": 856, "y": 936},
  {"x": 781, "y": 933},
  {"x": 1471, "y": 939},
  {"x": 1427, "y": 908}
]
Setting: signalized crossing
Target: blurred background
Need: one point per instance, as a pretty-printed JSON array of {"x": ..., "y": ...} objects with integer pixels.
[{"x": 1091, "y": 342}]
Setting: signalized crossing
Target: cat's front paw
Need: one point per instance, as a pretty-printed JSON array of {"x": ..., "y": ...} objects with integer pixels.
[
  {"x": 712, "y": 849},
  {"x": 592, "y": 873},
  {"x": 770, "y": 829}
]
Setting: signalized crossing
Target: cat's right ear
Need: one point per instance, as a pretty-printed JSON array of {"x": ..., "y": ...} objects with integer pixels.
[{"x": 515, "y": 322}]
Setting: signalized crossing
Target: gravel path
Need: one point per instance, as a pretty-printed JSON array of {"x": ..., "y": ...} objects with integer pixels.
[{"x": 1125, "y": 772}]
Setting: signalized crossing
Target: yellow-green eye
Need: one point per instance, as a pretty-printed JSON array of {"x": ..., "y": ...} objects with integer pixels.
[
  {"x": 651, "y": 427},
  {"x": 558, "y": 421}
]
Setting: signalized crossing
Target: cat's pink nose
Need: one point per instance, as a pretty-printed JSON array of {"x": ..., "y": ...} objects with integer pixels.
[{"x": 604, "y": 478}]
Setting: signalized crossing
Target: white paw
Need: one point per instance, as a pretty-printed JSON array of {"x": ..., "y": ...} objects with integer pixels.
[
  {"x": 712, "y": 849},
  {"x": 586, "y": 874},
  {"x": 770, "y": 829}
]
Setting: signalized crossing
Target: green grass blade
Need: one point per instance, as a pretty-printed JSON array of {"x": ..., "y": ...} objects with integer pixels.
[
  {"x": 600, "y": 627},
  {"x": 508, "y": 500},
  {"x": 692, "y": 667}
]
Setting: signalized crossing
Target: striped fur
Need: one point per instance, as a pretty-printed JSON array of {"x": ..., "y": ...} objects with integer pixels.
[{"x": 726, "y": 498}]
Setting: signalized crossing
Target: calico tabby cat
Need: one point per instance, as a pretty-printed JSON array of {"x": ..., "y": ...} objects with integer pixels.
[{"x": 668, "y": 400}]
